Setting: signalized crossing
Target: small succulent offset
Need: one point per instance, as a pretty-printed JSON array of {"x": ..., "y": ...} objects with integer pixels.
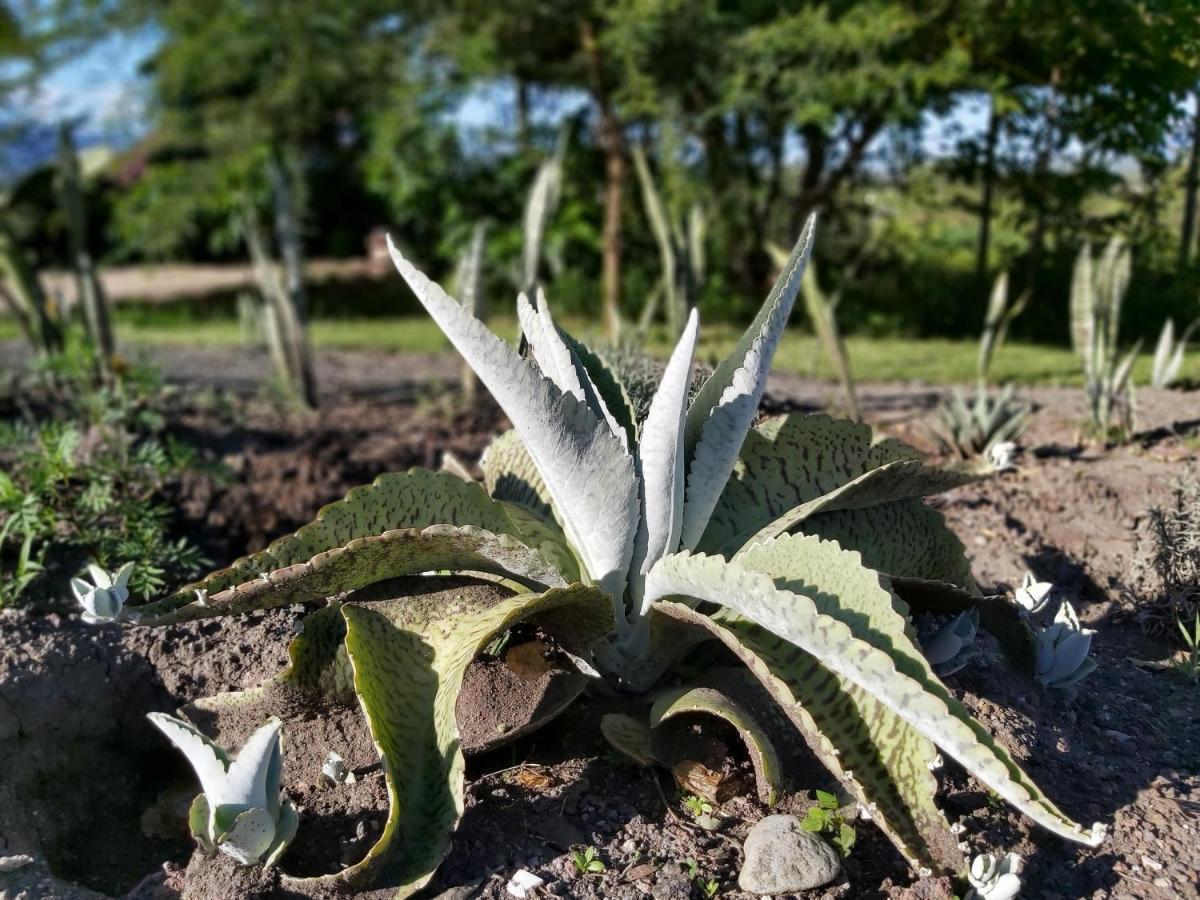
[
  {"x": 994, "y": 879},
  {"x": 239, "y": 811},
  {"x": 1033, "y": 596},
  {"x": 104, "y": 599},
  {"x": 975, "y": 427},
  {"x": 953, "y": 645},
  {"x": 801, "y": 544},
  {"x": 1062, "y": 650}
]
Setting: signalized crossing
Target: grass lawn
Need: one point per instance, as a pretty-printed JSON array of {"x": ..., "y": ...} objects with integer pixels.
[{"x": 934, "y": 360}]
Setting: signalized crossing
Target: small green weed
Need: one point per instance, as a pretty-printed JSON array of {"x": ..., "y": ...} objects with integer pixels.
[
  {"x": 824, "y": 819},
  {"x": 587, "y": 861}
]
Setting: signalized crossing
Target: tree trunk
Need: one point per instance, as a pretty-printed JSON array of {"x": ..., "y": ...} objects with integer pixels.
[
  {"x": 523, "y": 116},
  {"x": 1187, "y": 233},
  {"x": 985, "y": 206},
  {"x": 89, "y": 290},
  {"x": 1041, "y": 169},
  {"x": 291, "y": 250},
  {"x": 613, "y": 142}
]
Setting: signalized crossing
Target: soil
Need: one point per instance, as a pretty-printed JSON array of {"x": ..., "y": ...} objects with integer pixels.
[{"x": 88, "y": 787}]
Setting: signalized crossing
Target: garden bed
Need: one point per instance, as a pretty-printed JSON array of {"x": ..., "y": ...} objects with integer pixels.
[{"x": 1123, "y": 747}]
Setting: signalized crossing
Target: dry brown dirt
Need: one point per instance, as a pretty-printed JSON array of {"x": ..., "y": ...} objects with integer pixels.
[{"x": 86, "y": 784}]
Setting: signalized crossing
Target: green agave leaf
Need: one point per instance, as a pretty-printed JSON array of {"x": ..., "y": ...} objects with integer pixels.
[
  {"x": 905, "y": 539},
  {"x": 509, "y": 474},
  {"x": 791, "y": 460},
  {"x": 684, "y": 700},
  {"x": 871, "y": 751},
  {"x": 724, "y": 409},
  {"x": 608, "y": 385},
  {"x": 891, "y": 482},
  {"x": 409, "y": 660},
  {"x": 416, "y": 499},
  {"x": 368, "y": 560},
  {"x": 898, "y": 756},
  {"x": 900, "y": 680},
  {"x": 628, "y": 736}
]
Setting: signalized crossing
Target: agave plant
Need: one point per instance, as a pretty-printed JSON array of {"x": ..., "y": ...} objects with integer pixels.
[
  {"x": 970, "y": 428},
  {"x": 1097, "y": 292},
  {"x": 798, "y": 544}
]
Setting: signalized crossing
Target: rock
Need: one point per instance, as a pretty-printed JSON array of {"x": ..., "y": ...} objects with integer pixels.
[{"x": 783, "y": 858}]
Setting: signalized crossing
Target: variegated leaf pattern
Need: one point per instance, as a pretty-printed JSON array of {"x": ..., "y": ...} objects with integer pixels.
[
  {"x": 724, "y": 409},
  {"x": 710, "y": 702},
  {"x": 509, "y": 474},
  {"x": 376, "y": 558},
  {"x": 795, "y": 465},
  {"x": 907, "y": 539},
  {"x": 409, "y": 660},
  {"x": 416, "y": 499},
  {"x": 841, "y": 722},
  {"x": 903, "y": 682}
]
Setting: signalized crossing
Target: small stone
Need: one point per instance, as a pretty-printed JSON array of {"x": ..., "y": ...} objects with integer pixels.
[{"x": 783, "y": 858}]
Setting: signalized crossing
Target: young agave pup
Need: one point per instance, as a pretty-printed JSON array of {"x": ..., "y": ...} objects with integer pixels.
[{"x": 800, "y": 544}]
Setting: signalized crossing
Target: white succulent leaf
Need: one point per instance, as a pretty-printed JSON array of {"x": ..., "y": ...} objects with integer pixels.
[
  {"x": 953, "y": 645},
  {"x": 994, "y": 879},
  {"x": 1001, "y": 455},
  {"x": 661, "y": 458},
  {"x": 241, "y": 799},
  {"x": 587, "y": 470},
  {"x": 543, "y": 198},
  {"x": 1033, "y": 596},
  {"x": 14, "y": 862},
  {"x": 1061, "y": 650},
  {"x": 724, "y": 409},
  {"x": 334, "y": 768},
  {"x": 523, "y": 884},
  {"x": 550, "y": 351},
  {"x": 104, "y": 599}
]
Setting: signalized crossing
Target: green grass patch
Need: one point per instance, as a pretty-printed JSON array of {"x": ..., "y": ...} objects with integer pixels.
[{"x": 933, "y": 360}]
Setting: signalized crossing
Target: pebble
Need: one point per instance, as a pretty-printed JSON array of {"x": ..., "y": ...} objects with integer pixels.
[{"x": 783, "y": 858}]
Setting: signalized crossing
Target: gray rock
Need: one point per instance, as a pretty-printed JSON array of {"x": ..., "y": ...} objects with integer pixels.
[{"x": 782, "y": 858}]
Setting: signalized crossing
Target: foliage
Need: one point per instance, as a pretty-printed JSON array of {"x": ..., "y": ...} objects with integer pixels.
[
  {"x": 587, "y": 861},
  {"x": 1168, "y": 354},
  {"x": 969, "y": 429},
  {"x": 239, "y": 811},
  {"x": 1175, "y": 557},
  {"x": 1188, "y": 665},
  {"x": 805, "y": 538},
  {"x": 89, "y": 486},
  {"x": 1062, "y": 650},
  {"x": 1097, "y": 292},
  {"x": 824, "y": 818}
]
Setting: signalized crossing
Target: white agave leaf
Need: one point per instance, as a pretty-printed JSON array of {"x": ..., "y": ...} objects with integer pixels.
[
  {"x": 542, "y": 200},
  {"x": 723, "y": 411},
  {"x": 1083, "y": 305},
  {"x": 99, "y": 576},
  {"x": 1121, "y": 376},
  {"x": 549, "y": 350},
  {"x": 661, "y": 456},
  {"x": 208, "y": 760},
  {"x": 251, "y": 836},
  {"x": 794, "y": 618},
  {"x": 246, "y": 780},
  {"x": 587, "y": 470}
]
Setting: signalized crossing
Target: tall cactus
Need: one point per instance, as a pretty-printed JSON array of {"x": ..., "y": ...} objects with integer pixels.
[
  {"x": 681, "y": 253},
  {"x": 88, "y": 286},
  {"x": 1097, "y": 292}
]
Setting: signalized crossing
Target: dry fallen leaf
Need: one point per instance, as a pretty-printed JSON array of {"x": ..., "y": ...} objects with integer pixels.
[
  {"x": 532, "y": 779},
  {"x": 698, "y": 779},
  {"x": 644, "y": 872},
  {"x": 528, "y": 661}
]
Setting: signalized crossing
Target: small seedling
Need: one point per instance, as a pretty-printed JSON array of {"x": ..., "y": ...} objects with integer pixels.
[
  {"x": 709, "y": 887},
  {"x": 587, "y": 861},
  {"x": 1188, "y": 665},
  {"x": 697, "y": 806},
  {"x": 825, "y": 819}
]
